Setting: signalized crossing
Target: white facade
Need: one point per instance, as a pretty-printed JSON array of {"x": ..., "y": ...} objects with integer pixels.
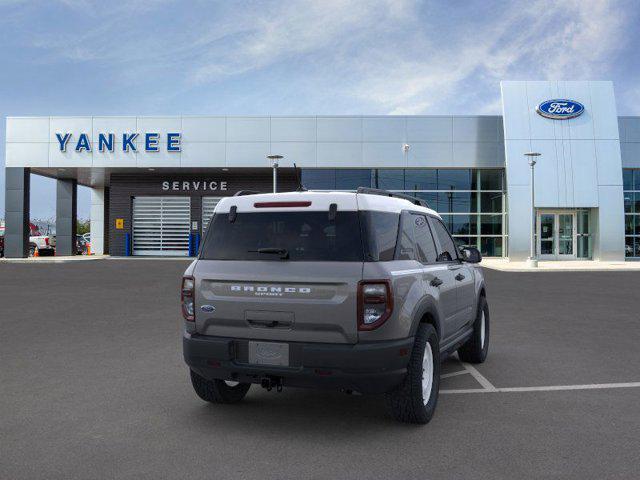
[
  {"x": 580, "y": 168},
  {"x": 236, "y": 142},
  {"x": 580, "y": 165}
]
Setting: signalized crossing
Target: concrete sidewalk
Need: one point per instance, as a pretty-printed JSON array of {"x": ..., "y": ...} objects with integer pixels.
[
  {"x": 505, "y": 265},
  {"x": 54, "y": 259}
]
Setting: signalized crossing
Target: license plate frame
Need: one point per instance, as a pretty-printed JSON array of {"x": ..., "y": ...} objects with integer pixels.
[{"x": 269, "y": 353}]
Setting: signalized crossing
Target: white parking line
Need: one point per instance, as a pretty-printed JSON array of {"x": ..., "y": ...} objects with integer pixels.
[
  {"x": 550, "y": 388},
  {"x": 454, "y": 374},
  {"x": 488, "y": 387},
  {"x": 486, "y": 384}
]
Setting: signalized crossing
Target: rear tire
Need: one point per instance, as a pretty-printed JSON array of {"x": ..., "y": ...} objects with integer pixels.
[
  {"x": 414, "y": 401},
  {"x": 218, "y": 391},
  {"x": 475, "y": 350}
]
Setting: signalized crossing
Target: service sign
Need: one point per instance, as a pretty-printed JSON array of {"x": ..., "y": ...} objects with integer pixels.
[
  {"x": 560, "y": 109},
  {"x": 149, "y": 141}
]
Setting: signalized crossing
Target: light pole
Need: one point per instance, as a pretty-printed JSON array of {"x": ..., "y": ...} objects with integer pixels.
[
  {"x": 532, "y": 261},
  {"x": 274, "y": 163}
]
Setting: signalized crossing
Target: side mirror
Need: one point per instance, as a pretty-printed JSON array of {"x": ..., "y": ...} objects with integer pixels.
[{"x": 471, "y": 255}]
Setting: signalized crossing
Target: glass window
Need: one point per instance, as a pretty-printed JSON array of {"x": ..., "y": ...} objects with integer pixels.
[
  {"x": 628, "y": 202},
  {"x": 424, "y": 241},
  {"x": 351, "y": 179},
  {"x": 583, "y": 222},
  {"x": 629, "y": 250},
  {"x": 636, "y": 203},
  {"x": 490, "y": 179},
  {"x": 381, "y": 232},
  {"x": 430, "y": 197},
  {"x": 421, "y": 179},
  {"x": 389, "y": 179},
  {"x": 406, "y": 250},
  {"x": 447, "y": 250},
  {"x": 318, "y": 179},
  {"x": 303, "y": 236},
  {"x": 454, "y": 179},
  {"x": 465, "y": 242},
  {"x": 627, "y": 179},
  {"x": 636, "y": 179},
  {"x": 461, "y": 224},
  {"x": 491, "y": 202},
  {"x": 457, "y": 202},
  {"x": 490, "y": 224},
  {"x": 629, "y": 227},
  {"x": 463, "y": 192},
  {"x": 491, "y": 246}
]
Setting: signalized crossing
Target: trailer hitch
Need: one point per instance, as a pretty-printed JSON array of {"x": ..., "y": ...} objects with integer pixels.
[{"x": 269, "y": 383}]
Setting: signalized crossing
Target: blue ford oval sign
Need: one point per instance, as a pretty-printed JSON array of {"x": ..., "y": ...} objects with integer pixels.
[{"x": 560, "y": 109}]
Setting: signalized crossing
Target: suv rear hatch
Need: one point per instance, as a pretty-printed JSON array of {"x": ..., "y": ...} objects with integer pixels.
[{"x": 281, "y": 270}]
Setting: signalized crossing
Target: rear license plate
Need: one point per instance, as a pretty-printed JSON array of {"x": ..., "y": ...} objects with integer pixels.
[{"x": 268, "y": 353}]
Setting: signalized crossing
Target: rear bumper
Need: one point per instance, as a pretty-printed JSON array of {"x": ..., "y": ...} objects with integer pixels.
[{"x": 374, "y": 367}]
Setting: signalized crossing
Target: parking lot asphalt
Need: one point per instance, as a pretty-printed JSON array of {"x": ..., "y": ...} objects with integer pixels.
[{"x": 92, "y": 385}]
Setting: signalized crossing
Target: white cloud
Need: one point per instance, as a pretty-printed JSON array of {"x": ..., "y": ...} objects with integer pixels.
[
  {"x": 390, "y": 56},
  {"x": 540, "y": 40}
]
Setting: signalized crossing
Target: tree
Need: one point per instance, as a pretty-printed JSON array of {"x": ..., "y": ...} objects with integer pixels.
[{"x": 84, "y": 226}]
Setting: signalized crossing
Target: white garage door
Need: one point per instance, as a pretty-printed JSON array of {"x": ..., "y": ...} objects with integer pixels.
[
  {"x": 208, "y": 206},
  {"x": 161, "y": 225}
]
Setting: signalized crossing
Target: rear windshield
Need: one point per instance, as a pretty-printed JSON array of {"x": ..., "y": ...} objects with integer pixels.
[
  {"x": 302, "y": 236},
  {"x": 298, "y": 236}
]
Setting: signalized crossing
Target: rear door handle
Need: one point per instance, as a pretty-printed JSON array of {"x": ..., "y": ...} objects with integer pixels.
[
  {"x": 459, "y": 277},
  {"x": 436, "y": 282}
]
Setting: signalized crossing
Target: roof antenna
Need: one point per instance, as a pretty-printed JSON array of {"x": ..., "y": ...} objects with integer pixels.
[{"x": 300, "y": 186}]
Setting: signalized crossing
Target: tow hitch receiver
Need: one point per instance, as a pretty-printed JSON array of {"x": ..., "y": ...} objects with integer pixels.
[{"x": 270, "y": 382}]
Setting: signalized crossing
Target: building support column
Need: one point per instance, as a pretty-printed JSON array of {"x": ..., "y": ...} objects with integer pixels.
[
  {"x": 66, "y": 217},
  {"x": 97, "y": 221},
  {"x": 17, "y": 191}
]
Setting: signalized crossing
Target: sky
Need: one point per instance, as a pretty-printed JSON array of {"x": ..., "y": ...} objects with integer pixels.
[{"x": 146, "y": 57}]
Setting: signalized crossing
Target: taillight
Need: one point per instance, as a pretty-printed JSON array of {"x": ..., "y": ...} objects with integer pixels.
[
  {"x": 186, "y": 298},
  {"x": 46, "y": 241},
  {"x": 375, "y": 303}
]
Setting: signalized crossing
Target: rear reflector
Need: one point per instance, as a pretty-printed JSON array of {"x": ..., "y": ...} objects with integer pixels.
[{"x": 281, "y": 204}]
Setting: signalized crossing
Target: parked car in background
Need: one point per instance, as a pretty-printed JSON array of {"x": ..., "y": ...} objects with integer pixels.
[
  {"x": 81, "y": 245},
  {"x": 44, "y": 243},
  {"x": 1, "y": 242}
]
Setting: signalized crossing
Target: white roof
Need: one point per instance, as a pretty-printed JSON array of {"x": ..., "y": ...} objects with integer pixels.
[{"x": 320, "y": 201}]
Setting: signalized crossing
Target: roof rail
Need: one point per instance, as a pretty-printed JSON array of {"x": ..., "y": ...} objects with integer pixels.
[
  {"x": 242, "y": 193},
  {"x": 387, "y": 193}
]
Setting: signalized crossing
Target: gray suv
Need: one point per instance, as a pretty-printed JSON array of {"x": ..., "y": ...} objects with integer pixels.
[{"x": 358, "y": 291}]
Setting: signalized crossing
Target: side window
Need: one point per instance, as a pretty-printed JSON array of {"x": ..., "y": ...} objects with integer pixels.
[
  {"x": 426, "y": 249},
  {"x": 447, "y": 251},
  {"x": 380, "y": 233},
  {"x": 406, "y": 249}
]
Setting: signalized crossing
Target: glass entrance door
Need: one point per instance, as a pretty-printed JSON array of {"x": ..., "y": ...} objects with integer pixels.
[
  {"x": 547, "y": 242},
  {"x": 556, "y": 234}
]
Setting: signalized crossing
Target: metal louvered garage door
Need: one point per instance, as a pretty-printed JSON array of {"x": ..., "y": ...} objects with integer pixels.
[
  {"x": 161, "y": 225},
  {"x": 208, "y": 206}
]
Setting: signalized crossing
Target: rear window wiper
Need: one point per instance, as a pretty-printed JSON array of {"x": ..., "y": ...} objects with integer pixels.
[{"x": 283, "y": 252}]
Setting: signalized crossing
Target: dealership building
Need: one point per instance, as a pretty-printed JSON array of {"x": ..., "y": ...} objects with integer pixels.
[{"x": 155, "y": 181}]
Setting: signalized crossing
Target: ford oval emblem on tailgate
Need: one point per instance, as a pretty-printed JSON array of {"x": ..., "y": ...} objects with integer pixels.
[{"x": 207, "y": 308}]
